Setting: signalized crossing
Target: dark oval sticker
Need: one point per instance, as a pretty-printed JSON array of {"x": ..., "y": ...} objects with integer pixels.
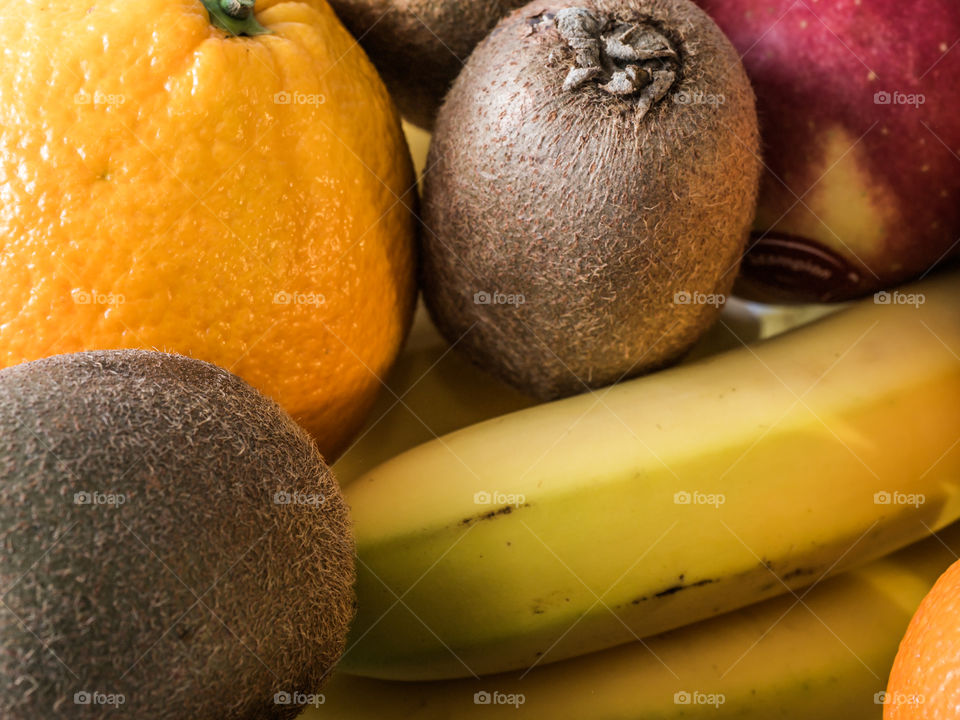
[{"x": 789, "y": 268}]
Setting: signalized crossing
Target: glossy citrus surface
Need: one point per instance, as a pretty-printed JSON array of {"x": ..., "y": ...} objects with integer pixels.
[
  {"x": 925, "y": 680},
  {"x": 243, "y": 200}
]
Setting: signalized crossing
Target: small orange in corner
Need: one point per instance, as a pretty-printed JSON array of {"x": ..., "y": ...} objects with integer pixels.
[
  {"x": 924, "y": 683},
  {"x": 240, "y": 196}
]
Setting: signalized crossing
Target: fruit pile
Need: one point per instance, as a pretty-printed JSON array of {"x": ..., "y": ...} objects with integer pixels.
[{"x": 243, "y": 477}]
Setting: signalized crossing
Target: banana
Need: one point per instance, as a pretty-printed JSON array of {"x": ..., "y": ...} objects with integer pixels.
[
  {"x": 432, "y": 390},
  {"x": 585, "y": 523},
  {"x": 823, "y": 654}
]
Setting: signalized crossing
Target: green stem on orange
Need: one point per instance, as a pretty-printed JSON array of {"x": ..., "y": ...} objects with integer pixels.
[{"x": 234, "y": 16}]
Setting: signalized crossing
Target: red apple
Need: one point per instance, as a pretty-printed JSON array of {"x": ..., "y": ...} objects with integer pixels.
[{"x": 859, "y": 103}]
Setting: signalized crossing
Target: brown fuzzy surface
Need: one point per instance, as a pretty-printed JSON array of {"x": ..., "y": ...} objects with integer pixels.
[
  {"x": 199, "y": 597},
  {"x": 419, "y": 46},
  {"x": 596, "y": 213}
]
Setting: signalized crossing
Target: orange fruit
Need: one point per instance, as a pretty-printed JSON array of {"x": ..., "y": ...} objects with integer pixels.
[
  {"x": 925, "y": 680},
  {"x": 244, "y": 200}
]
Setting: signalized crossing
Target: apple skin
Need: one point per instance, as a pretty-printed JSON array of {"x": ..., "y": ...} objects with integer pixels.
[{"x": 858, "y": 195}]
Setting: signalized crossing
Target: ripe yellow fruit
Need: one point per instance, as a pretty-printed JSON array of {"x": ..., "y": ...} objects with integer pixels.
[{"x": 242, "y": 200}]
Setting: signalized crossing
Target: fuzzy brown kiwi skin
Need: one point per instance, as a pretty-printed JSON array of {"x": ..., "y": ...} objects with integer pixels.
[
  {"x": 200, "y": 596},
  {"x": 596, "y": 218},
  {"x": 419, "y": 46}
]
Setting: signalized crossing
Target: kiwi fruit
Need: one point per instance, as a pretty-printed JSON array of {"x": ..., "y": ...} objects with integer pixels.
[
  {"x": 419, "y": 46},
  {"x": 171, "y": 544},
  {"x": 590, "y": 187}
]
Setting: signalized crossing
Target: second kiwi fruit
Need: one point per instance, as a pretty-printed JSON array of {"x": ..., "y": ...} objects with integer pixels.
[{"x": 590, "y": 187}]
